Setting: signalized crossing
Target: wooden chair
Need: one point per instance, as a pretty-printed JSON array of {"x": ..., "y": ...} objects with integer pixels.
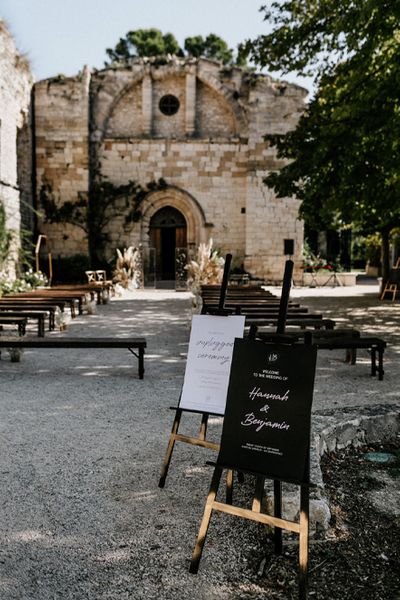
[
  {"x": 91, "y": 275},
  {"x": 100, "y": 275}
]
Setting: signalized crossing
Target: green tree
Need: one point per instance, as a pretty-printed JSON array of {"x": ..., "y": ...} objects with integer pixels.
[
  {"x": 144, "y": 42},
  {"x": 343, "y": 159},
  {"x": 152, "y": 42},
  {"x": 210, "y": 47}
]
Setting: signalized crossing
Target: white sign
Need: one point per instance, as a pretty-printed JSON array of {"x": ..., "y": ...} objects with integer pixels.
[{"x": 209, "y": 361}]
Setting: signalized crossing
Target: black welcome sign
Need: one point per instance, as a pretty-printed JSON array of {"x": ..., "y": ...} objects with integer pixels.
[{"x": 268, "y": 410}]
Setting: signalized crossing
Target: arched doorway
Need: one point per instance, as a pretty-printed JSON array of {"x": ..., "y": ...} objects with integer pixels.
[{"x": 168, "y": 232}]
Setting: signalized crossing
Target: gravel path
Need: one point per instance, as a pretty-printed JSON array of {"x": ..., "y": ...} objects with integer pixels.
[{"x": 82, "y": 441}]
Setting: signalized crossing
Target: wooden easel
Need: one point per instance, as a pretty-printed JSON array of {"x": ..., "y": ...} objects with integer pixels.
[
  {"x": 200, "y": 440},
  {"x": 300, "y": 527},
  {"x": 254, "y": 514}
]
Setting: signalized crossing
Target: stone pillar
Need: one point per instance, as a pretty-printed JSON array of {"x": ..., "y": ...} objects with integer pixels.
[
  {"x": 190, "y": 116},
  {"x": 147, "y": 108}
]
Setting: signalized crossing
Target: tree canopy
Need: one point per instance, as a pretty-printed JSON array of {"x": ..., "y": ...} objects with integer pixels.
[
  {"x": 344, "y": 156},
  {"x": 144, "y": 42},
  {"x": 152, "y": 42}
]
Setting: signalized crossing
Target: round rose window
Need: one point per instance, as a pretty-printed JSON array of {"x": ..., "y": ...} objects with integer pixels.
[{"x": 169, "y": 105}]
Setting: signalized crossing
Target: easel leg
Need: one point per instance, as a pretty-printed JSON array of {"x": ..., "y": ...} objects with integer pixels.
[
  {"x": 229, "y": 486},
  {"x": 258, "y": 494},
  {"x": 170, "y": 448},
  {"x": 278, "y": 514},
  {"x": 203, "y": 426},
  {"x": 201, "y": 538},
  {"x": 303, "y": 545}
]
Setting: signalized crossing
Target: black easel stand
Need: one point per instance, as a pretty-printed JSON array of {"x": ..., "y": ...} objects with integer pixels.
[
  {"x": 302, "y": 526},
  {"x": 201, "y": 439}
]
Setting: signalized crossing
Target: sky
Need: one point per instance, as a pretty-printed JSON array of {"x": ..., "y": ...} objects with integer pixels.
[{"x": 61, "y": 36}]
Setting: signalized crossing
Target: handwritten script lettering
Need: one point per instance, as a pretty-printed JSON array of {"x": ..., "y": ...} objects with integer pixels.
[
  {"x": 257, "y": 393},
  {"x": 215, "y": 350},
  {"x": 259, "y": 424},
  {"x": 214, "y": 345}
]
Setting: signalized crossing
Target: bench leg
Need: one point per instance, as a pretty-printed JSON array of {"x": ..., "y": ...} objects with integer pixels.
[
  {"x": 140, "y": 357},
  {"x": 141, "y": 363},
  {"x": 373, "y": 362},
  {"x": 351, "y": 356},
  {"x": 380, "y": 364},
  {"x": 41, "y": 327}
]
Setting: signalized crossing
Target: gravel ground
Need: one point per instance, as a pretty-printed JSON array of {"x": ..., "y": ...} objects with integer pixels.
[{"x": 82, "y": 441}]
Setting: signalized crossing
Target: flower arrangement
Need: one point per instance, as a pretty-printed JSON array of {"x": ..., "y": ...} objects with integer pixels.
[
  {"x": 26, "y": 282},
  {"x": 321, "y": 266},
  {"x": 313, "y": 263}
]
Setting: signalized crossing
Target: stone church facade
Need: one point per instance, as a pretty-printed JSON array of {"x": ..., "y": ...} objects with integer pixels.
[{"x": 192, "y": 122}]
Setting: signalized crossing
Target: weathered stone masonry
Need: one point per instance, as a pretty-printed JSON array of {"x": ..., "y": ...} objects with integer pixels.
[
  {"x": 15, "y": 142},
  {"x": 210, "y": 151}
]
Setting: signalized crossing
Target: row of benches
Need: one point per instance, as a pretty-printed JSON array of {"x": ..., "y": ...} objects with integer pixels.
[
  {"x": 30, "y": 305},
  {"x": 261, "y": 308},
  {"x": 43, "y": 303}
]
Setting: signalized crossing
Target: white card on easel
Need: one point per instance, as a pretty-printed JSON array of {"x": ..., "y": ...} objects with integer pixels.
[{"x": 209, "y": 360}]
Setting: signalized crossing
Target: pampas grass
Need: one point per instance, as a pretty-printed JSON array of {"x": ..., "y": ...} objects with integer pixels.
[{"x": 207, "y": 269}]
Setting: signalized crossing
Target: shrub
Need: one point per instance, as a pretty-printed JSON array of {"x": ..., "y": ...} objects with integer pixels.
[{"x": 71, "y": 269}]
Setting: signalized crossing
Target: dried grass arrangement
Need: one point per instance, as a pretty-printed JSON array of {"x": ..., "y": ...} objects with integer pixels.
[
  {"x": 207, "y": 269},
  {"x": 128, "y": 268}
]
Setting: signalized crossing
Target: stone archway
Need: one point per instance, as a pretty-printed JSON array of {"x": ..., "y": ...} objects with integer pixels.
[
  {"x": 171, "y": 219},
  {"x": 167, "y": 234}
]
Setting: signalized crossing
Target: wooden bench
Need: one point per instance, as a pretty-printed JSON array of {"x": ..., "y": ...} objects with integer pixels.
[
  {"x": 45, "y": 294},
  {"x": 20, "y": 322},
  {"x": 50, "y": 309},
  {"x": 351, "y": 341},
  {"x": 33, "y": 302},
  {"x": 303, "y": 324},
  {"x": 99, "y": 289},
  {"x": 80, "y": 342},
  {"x": 375, "y": 345},
  {"x": 319, "y": 323},
  {"x": 56, "y": 300},
  {"x": 291, "y": 318},
  {"x": 39, "y": 315}
]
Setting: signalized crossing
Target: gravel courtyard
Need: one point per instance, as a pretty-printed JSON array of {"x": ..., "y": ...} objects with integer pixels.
[{"x": 82, "y": 442}]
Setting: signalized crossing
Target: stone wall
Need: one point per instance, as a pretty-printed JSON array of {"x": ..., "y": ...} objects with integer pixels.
[
  {"x": 210, "y": 152},
  {"x": 15, "y": 178},
  {"x": 62, "y": 152}
]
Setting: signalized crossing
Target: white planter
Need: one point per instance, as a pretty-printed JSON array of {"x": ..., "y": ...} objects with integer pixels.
[{"x": 328, "y": 279}]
